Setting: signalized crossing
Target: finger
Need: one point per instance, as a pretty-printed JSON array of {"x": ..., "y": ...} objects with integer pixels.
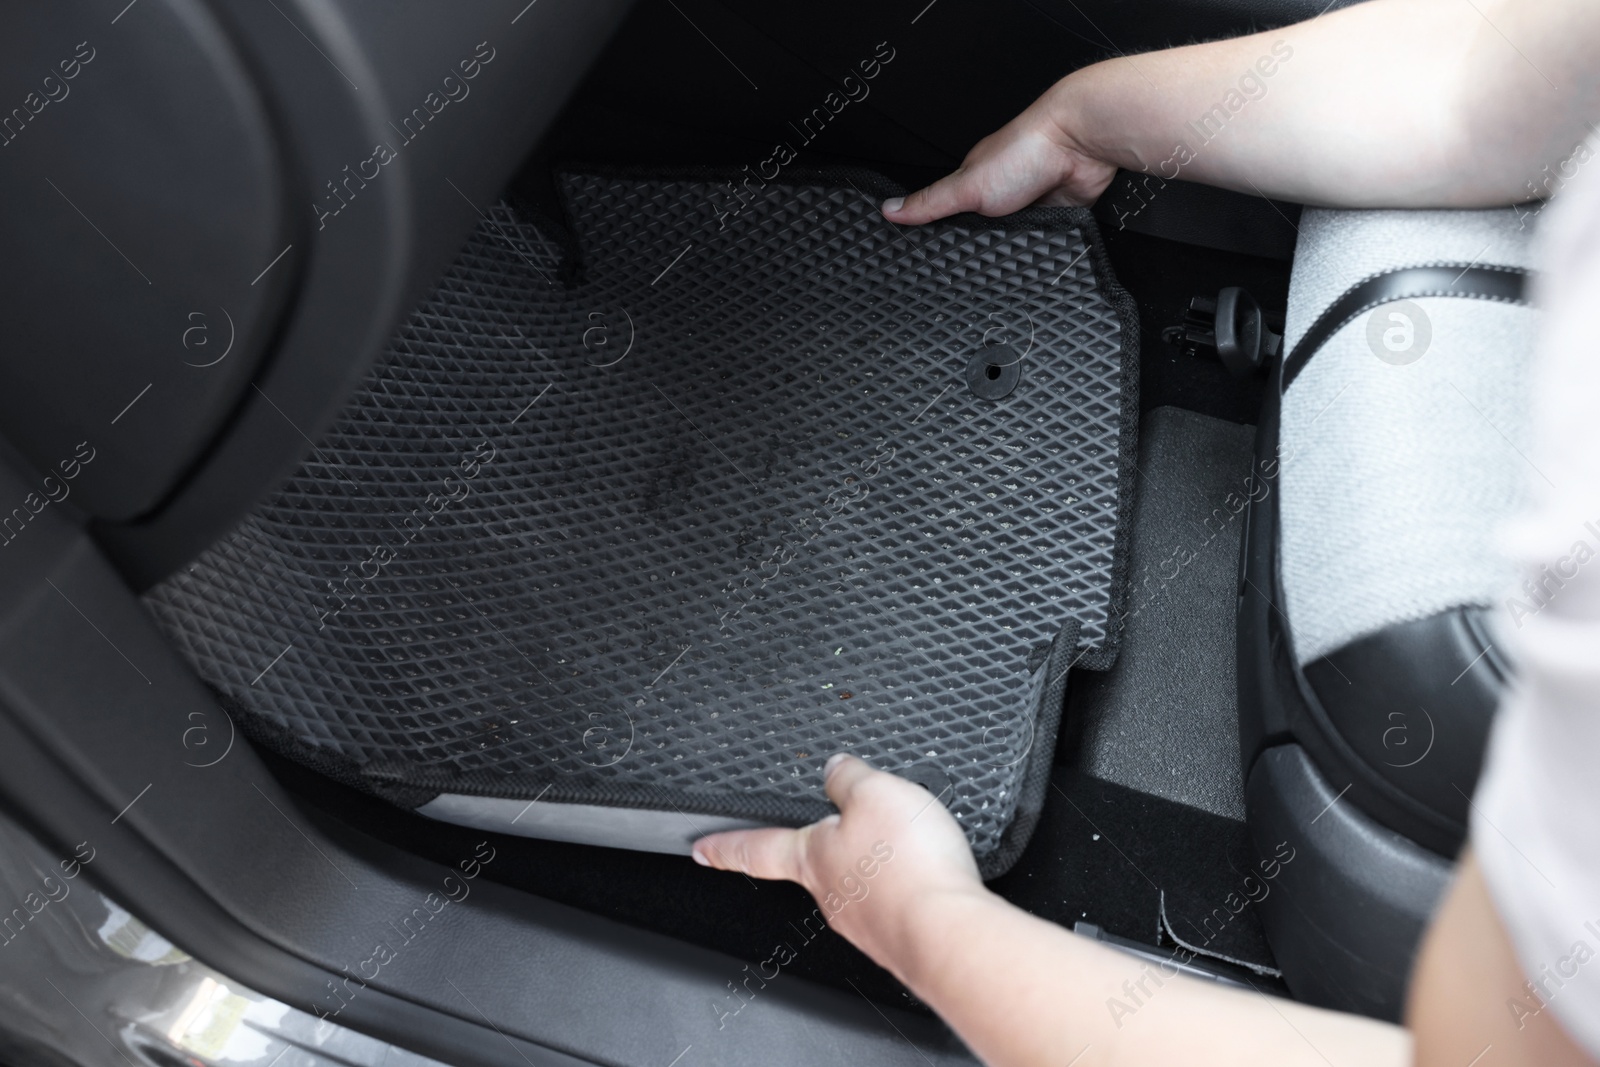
[
  {"x": 767, "y": 853},
  {"x": 843, "y": 772},
  {"x": 949, "y": 195}
]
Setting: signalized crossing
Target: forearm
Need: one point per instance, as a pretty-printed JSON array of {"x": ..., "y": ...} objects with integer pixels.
[
  {"x": 1021, "y": 991},
  {"x": 1390, "y": 103}
]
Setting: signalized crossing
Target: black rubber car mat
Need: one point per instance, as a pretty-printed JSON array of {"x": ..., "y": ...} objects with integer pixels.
[{"x": 662, "y": 507}]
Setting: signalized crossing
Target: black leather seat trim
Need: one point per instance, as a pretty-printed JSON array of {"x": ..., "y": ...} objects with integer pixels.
[
  {"x": 1414, "y": 702},
  {"x": 1505, "y": 285}
]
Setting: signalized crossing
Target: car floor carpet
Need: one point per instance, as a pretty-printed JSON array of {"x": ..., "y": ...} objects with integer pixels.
[
  {"x": 1164, "y": 718},
  {"x": 1146, "y": 868}
]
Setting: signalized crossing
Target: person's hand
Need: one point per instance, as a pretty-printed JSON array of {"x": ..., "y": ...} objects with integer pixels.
[
  {"x": 891, "y": 847},
  {"x": 1033, "y": 159}
]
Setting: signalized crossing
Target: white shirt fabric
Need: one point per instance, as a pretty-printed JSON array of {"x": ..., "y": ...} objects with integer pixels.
[{"x": 1536, "y": 817}]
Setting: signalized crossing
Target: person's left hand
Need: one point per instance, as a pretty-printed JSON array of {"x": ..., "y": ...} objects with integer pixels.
[
  {"x": 892, "y": 847},
  {"x": 1036, "y": 158}
]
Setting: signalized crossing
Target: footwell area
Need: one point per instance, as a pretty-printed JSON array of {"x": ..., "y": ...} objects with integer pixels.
[
  {"x": 1120, "y": 856},
  {"x": 1152, "y": 825},
  {"x": 661, "y": 511},
  {"x": 1165, "y": 719},
  {"x": 1147, "y": 869}
]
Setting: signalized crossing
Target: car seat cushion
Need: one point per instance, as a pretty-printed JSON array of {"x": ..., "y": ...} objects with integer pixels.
[{"x": 1403, "y": 441}]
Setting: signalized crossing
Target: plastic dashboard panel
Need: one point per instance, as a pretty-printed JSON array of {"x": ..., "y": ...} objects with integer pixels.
[{"x": 396, "y": 126}]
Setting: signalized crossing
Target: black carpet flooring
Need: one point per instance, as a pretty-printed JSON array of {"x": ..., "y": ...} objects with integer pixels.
[
  {"x": 1164, "y": 719},
  {"x": 1107, "y": 854}
]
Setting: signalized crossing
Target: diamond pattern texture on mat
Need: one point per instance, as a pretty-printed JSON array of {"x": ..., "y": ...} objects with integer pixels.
[{"x": 722, "y": 508}]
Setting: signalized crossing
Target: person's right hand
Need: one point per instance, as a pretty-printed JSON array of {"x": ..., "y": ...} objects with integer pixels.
[
  {"x": 890, "y": 850},
  {"x": 1032, "y": 159}
]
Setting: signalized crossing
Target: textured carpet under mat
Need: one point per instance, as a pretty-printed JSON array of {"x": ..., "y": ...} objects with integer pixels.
[
  {"x": 660, "y": 511},
  {"x": 1165, "y": 718},
  {"x": 1147, "y": 869}
]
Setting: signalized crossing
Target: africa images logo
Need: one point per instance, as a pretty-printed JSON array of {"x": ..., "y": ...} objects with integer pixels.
[{"x": 1399, "y": 333}]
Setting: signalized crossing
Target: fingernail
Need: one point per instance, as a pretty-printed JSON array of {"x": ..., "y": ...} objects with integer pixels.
[
  {"x": 700, "y": 858},
  {"x": 833, "y": 761},
  {"x": 894, "y": 203}
]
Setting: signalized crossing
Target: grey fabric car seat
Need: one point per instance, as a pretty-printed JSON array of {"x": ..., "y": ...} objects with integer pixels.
[{"x": 1390, "y": 451}]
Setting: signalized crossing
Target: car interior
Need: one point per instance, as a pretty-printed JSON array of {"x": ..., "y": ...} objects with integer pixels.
[{"x": 455, "y": 456}]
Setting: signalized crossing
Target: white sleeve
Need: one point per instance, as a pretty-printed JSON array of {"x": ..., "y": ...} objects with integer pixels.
[{"x": 1536, "y": 817}]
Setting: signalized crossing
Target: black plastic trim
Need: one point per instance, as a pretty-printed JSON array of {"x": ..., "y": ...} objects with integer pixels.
[
  {"x": 200, "y": 202},
  {"x": 1415, "y": 701},
  {"x": 367, "y": 262},
  {"x": 1347, "y": 912}
]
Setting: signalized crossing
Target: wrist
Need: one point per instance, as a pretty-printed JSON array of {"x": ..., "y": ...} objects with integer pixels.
[
  {"x": 1062, "y": 110},
  {"x": 1074, "y": 117},
  {"x": 933, "y": 927}
]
